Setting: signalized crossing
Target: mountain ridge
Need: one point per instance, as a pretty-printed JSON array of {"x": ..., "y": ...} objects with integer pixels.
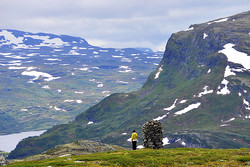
[
  {"x": 200, "y": 96},
  {"x": 48, "y": 79}
]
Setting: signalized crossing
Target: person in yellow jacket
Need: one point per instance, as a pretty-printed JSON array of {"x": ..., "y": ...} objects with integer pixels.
[{"x": 134, "y": 139}]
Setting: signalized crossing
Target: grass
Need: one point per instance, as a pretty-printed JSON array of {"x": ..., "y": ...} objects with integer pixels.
[{"x": 149, "y": 157}]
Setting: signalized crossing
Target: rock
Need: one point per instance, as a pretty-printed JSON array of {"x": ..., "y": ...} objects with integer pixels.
[
  {"x": 3, "y": 161},
  {"x": 152, "y": 135}
]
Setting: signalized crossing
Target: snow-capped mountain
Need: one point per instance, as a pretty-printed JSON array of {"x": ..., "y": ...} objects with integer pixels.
[{"x": 48, "y": 79}]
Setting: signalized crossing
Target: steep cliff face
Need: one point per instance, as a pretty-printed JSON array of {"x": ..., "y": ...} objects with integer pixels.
[{"x": 199, "y": 92}]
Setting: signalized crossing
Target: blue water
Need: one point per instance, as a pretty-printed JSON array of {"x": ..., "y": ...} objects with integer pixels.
[{"x": 9, "y": 142}]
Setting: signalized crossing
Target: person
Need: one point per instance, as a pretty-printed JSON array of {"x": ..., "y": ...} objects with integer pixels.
[{"x": 134, "y": 139}]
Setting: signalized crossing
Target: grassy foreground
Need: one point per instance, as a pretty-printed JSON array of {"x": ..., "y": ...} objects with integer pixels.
[{"x": 148, "y": 157}]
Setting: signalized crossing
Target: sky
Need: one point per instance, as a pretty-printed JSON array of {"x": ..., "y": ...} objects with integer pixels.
[{"x": 115, "y": 23}]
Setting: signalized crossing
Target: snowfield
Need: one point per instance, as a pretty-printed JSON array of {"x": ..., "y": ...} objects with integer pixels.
[
  {"x": 235, "y": 56},
  {"x": 187, "y": 109}
]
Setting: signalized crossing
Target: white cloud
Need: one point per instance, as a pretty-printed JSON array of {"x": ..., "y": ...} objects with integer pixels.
[{"x": 123, "y": 23}]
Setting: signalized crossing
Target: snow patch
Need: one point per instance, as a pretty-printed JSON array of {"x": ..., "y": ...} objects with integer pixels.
[
  {"x": 47, "y": 41},
  {"x": 247, "y": 104},
  {"x": 5, "y": 54},
  {"x": 103, "y": 50},
  {"x": 219, "y": 21},
  {"x": 68, "y": 100},
  {"x": 59, "y": 109},
  {"x": 37, "y": 74},
  {"x": 183, "y": 101},
  {"x": 159, "y": 118},
  {"x": 206, "y": 91},
  {"x": 187, "y": 109},
  {"x": 46, "y": 87},
  {"x": 73, "y": 52},
  {"x": 224, "y": 90},
  {"x": 204, "y": 35},
  {"x": 77, "y": 101},
  {"x": 235, "y": 56},
  {"x": 165, "y": 141},
  {"x": 12, "y": 63},
  {"x": 126, "y": 60},
  {"x": 171, "y": 107},
  {"x": 189, "y": 29},
  {"x": 158, "y": 72},
  {"x": 90, "y": 122},
  {"x": 10, "y": 38},
  {"x": 16, "y": 57},
  {"x": 95, "y": 68},
  {"x": 76, "y": 92},
  {"x": 104, "y": 92},
  {"x": 126, "y": 69},
  {"x": 228, "y": 72},
  {"x": 232, "y": 119},
  {"x": 122, "y": 82},
  {"x": 51, "y": 59},
  {"x": 100, "y": 85},
  {"x": 117, "y": 56},
  {"x": 140, "y": 147}
]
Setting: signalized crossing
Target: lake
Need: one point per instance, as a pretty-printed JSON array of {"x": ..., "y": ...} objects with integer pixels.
[{"x": 9, "y": 142}]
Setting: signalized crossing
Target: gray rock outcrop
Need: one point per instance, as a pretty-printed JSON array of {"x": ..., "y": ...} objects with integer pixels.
[
  {"x": 152, "y": 135},
  {"x": 3, "y": 161}
]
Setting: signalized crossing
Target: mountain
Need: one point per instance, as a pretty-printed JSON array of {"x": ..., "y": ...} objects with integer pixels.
[
  {"x": 199, "y": 92},
  {"x": 49, "y": 79}
]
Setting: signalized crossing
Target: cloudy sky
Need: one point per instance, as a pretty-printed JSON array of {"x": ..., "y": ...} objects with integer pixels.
[{"x": 115, "y": 23}]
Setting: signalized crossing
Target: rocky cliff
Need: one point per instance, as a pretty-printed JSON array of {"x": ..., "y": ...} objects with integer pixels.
[{"x": 199, "y": 92}]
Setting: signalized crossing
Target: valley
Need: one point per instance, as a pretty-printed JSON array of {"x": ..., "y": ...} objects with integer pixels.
[{"x": 49, "y": 79}]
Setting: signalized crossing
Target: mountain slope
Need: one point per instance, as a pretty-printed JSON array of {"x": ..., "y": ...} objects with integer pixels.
[
  {"x": 49, "y": 79},
  {"x": 199, "y": 92}
]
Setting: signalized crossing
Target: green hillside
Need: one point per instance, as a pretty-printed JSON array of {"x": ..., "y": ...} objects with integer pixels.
[
  {"x": 148, "y": 157},
  {"x": 200, "y": 95}
]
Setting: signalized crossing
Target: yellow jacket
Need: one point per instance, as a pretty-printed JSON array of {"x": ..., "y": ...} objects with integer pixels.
[{"x": 134, "y": 137}]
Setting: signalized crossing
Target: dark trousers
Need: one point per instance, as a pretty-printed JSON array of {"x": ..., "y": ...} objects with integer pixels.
[{"x": 134, "y": 145}]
